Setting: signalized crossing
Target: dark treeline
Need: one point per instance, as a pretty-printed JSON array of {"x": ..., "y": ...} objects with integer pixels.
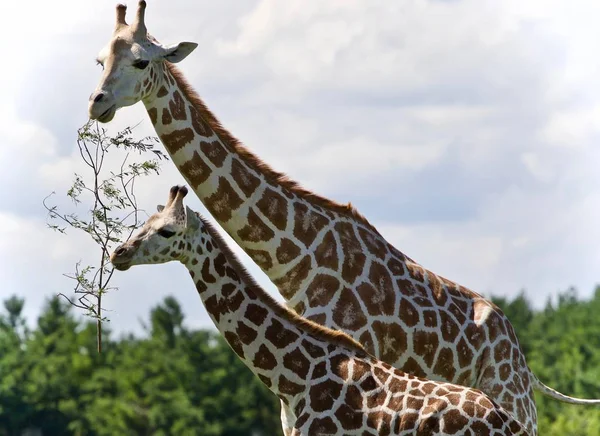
[{"x": 178, "y": 381}]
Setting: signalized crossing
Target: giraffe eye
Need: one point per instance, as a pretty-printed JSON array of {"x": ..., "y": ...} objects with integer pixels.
[
  {"x": 166, "y": 233},
  {"x": 140, "y": 65}
]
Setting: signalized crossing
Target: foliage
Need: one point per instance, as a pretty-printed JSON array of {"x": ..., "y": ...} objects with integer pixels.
[
  {"x": 113, "y": 213},
  {"x": 178, "y": 380},
  {"x": 562, "y": 345},
  {"x": 175, "y": 381}
]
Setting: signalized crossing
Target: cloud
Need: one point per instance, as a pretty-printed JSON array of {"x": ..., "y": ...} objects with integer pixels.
[{"x": 465, "y": 130}]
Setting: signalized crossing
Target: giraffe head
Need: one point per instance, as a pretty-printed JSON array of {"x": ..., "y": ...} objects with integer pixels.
[
  {"x": 163, "y": 237},
  {"x": 132, "y": 63}
]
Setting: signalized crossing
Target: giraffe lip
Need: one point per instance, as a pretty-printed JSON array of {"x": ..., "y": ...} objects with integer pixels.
[
  {"x": 107, "y": 115},
  {"x": 122, "y": 266}
]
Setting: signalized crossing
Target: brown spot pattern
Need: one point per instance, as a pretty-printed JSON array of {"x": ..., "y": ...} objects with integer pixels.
[
  {"x": 153, "y": 113},
  {"x": 223, "y": 201},
  {"x": 352, "y": 418},
  {"x": 274, "y": 207},
  {"x": 287, "y": 251},
  {"x": 321, "y": 289},
  {"x": 312, "y": 349},
  {"x": 396, "y": 267},
  {"x": 322, "y": 395},
  {"x": 243, "y": 177},
  {"x": 166, "y": 117},
  {"x": 454, "y": 422},
  {"x": 162, "y": 92},
  {"x": 235, "y": 343},
  {"x": 425, "y": 344},
  {"x": 214, "y": 151},
  {"x": 297, "y": 363},
  {"x": 322, "y": 426},
  {"x": 377, "y": 294},
  {"x": 177, "y": 106},
  {"x": 195, "y": 170},
  {"x": 373, "y": 243},
  {"x": 408, "y": 313},
  {"x": 177, "y": 139},
  {"x": 464, "y": 352},
  {"x": 200, "y": 126},
  {"x": 206, "y": 275},
  {"x": 339, "y": 366},
  {"x": 290, "y": 282},
  {"x": 347, "y": 312},
  {"x": 326, "y": 254},
  {"x": 354, "y": 258},
  {"x": 279, "y": 336},
  {"x": 256, "y": 230},
  {"x": 264, "y": 359},
  {"x": 319, "y": 371},
  {"x": 246, "y": 333},
  {"x": 288, "y": 387},
  {"x": 307, "y": 223},
  {"x": 449, "y": 327},
  {"x": 412, "y": 367},
  {"x": 444, "y": 366},
  {"x": 261, "y": 257},
  {"x": 256, "y": 314},
  {"x": 391, "y": 338}
]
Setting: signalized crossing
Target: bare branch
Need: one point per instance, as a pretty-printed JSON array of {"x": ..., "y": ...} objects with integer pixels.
[{"x": 112, "y": 212}]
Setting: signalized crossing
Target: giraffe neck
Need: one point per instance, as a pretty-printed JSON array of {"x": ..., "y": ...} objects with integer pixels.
[
  {"x": 283, "y": 228},
  {"x": 276, "y": 344}
]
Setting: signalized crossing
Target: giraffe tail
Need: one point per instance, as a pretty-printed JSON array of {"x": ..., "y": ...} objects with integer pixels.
[{"x": 548, "y": 391}]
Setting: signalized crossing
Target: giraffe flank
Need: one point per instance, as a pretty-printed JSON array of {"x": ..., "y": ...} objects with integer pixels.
[
  {"x": 328, "y": 381},
  {"x": 327, "y": 261}
]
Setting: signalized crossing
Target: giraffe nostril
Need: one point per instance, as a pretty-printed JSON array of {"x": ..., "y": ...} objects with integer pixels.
[
  {"x": 119, "y": 251},
  {"x": 98, "y": 97}
]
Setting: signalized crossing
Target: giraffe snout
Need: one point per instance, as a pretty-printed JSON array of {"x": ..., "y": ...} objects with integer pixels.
[
  {"x": 102, "y": 106},
  {"x": 119, "y": 251},
  {"x": 121, "y": 257},
  {"x": 99, "y": 96}
]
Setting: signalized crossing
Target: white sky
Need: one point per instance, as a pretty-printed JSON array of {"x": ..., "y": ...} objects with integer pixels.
[{"x": 466, "y": 131}]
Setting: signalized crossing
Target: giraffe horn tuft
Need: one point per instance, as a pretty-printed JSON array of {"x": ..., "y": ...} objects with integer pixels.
[
  {"x": 183, "y": 191},
  {"x": 172, "y": 195},
  {"x": 138, "y": 25},
  {"x": 121, "y": 10}
]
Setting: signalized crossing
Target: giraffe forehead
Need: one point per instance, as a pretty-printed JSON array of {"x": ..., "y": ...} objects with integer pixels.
[
  {"x": 124, "y": 46},
  {"x": 156, "y": 222},
  {"x": 167, "y": 218}
]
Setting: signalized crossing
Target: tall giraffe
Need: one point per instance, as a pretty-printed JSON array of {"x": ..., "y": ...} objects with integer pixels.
[
  {"x": 327, "y": 380},
  {"x": 328, "y": 262}
]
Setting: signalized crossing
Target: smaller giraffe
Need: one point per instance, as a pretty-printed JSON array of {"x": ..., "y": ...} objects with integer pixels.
[{"x": 329, "y": 383}]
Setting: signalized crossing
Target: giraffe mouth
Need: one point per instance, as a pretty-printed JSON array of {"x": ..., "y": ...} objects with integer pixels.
[
  {"x": 107, "y": 115},
  {"x": 121, "y": 266}
]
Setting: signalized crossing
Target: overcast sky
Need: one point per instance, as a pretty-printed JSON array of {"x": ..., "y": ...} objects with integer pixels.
[{"x": 466, "y": 131}]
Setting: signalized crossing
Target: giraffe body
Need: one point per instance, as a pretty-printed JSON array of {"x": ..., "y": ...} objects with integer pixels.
[
  {"x": 328, "y": 262},
  {"x": 329, "y": 383}
]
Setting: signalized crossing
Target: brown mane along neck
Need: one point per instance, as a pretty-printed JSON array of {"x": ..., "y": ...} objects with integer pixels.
[
  {"x": 320, "y": 332},
  {"x": 234, "y": 145}
]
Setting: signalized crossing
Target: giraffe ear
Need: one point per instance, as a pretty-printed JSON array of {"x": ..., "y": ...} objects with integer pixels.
[
  {"x": 193, "y": 221},
  {"x": 179, "y": 52},
  {"x": 160, "y": 208}
]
